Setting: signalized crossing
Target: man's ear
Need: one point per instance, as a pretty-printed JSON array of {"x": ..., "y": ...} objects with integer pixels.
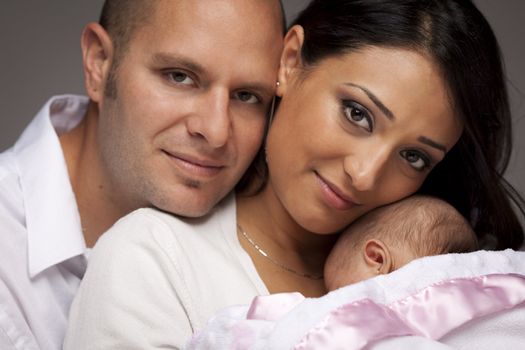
[
  {"x": 97, "y": 55},
  {"x": 290, "y": 58},
  {"x": 378, "y": 257}
]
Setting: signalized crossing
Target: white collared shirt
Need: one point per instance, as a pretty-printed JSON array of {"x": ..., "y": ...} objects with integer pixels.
[{"x": 42, "y": 249}]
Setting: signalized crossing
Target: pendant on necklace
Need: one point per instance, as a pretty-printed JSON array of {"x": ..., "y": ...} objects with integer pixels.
[{"x": 275, "y": 262}]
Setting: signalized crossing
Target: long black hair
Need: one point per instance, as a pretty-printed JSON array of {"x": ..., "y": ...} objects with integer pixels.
[{"x": 459, "y": 39}]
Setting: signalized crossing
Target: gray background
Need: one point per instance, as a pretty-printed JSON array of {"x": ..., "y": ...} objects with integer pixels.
[{"x": 40, "y": 56}]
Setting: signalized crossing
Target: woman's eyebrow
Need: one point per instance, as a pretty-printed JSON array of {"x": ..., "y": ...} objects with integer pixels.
[
  {"x": 432, "y": 143},
  {"x": 375, "y": 100}
]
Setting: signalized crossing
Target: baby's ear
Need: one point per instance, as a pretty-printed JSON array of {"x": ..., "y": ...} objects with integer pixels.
[{"x": 378, "y": 257}]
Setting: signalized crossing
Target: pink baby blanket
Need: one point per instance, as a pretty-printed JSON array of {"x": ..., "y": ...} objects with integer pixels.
[{"x": 453, "y": 301}]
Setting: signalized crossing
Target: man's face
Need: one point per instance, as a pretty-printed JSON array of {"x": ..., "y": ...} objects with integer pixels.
[{"x": 193, "y": 90}]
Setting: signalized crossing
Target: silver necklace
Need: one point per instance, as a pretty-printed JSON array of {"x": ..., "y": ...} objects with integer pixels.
[{"x": 275, "y": 262}]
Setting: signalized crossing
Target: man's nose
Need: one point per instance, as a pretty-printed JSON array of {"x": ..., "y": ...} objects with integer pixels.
[
  {"x": 211, "y": 120},
  {"x": 366, "y": 167}
]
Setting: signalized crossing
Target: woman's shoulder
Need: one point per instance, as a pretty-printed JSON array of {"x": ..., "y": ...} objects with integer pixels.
[
  {"x": 153, "y": 227},
  {"x": 137, "y": 226}
]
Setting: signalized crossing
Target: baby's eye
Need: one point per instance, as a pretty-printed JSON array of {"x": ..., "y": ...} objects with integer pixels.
[
  {"x": 180, "y": 77},
  {"x": 247, "y": 97},
  {"x": 358, "y": 115},
  {"x": 416, "y": 159}
]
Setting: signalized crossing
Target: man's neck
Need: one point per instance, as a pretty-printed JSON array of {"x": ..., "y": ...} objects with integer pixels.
[{"x": 98, "y": 205}]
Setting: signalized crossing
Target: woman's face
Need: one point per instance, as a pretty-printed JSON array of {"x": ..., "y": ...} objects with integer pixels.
[{"x": 356, "y": 132}]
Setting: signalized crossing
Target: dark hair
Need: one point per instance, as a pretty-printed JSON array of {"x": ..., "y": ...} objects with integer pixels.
[
  {"x": 461, "y": 42},
  {"x": 121, "y": 18},
  {"x": 423, "y": 224},
  {"x": 410, "y": 228}
]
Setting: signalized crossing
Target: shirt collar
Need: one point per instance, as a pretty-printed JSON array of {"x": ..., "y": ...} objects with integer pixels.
[{"x": 54, "y": 231}]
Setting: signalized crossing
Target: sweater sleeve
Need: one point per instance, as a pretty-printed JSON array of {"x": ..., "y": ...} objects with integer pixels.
[{"x": 132, "y": 296}]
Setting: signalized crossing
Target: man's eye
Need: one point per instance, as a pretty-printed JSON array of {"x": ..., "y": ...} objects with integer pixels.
[
  {"x": 358, "y": 115},
  {"x": 247, "y": 97},
  {"x": 180, "y": 78},
  {"x": 416, "y": 160}
]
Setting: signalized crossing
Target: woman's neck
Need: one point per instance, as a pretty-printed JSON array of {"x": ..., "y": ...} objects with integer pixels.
[
  {"x": 265, "y": 215},
  {"x": 269, "y": 226}
]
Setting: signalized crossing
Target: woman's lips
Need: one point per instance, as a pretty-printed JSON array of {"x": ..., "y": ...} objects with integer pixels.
[{"x": 333, "y": 196}]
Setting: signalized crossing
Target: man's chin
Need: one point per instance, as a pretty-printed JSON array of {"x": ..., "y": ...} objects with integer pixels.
[{"x": 189, "y": 208}]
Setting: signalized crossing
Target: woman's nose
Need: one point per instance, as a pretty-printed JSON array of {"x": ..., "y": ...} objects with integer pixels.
[{"x": 366, "y": 168}]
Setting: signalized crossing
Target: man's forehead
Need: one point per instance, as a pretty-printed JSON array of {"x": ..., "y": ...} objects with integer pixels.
[
  {"x": 200, "y": 23},
  {"x": 272, "y": 9}
]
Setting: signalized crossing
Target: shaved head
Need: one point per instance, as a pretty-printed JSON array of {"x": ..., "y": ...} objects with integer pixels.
[{"x": 122, "y": 18}]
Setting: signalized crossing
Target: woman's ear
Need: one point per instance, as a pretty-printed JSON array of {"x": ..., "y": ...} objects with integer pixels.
[
  {"x": 290, "y": 58},
  {"x": 97, "y": 56},
  {"x": 378, "y": 257}
]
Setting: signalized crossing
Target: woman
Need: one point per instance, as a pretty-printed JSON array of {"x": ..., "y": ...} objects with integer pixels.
[{"x": 378, "y": 100}]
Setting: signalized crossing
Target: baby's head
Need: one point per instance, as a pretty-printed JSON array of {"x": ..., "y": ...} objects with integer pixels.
[{"x": 389, "y": 237}]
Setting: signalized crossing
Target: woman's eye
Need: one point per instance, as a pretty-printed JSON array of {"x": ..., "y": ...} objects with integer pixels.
[
  {"x": 246, "y": 97},
  {"x": 358, "y": 115},
  {"x": 416, "y": 160},
  {"x": 180, "y": 78}
]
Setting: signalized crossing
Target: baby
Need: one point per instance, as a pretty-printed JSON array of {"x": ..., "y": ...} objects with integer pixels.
[
  {"x": 389, "y": 237},
  {"x": 380, "y": 242}
]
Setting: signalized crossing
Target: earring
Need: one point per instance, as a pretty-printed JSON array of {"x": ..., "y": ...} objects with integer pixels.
[{"x": 278, "y": 83}]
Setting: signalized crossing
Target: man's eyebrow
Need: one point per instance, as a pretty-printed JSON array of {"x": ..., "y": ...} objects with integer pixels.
[
  {"x": 375, "y": 100},
  {"x": 174, "y": 61},
  {"x": 169, "y": 60},
  {"x": 432, "y": 143}
]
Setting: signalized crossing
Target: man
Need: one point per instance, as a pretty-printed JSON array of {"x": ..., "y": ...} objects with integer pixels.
[{"x": 178, "y": 93}]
